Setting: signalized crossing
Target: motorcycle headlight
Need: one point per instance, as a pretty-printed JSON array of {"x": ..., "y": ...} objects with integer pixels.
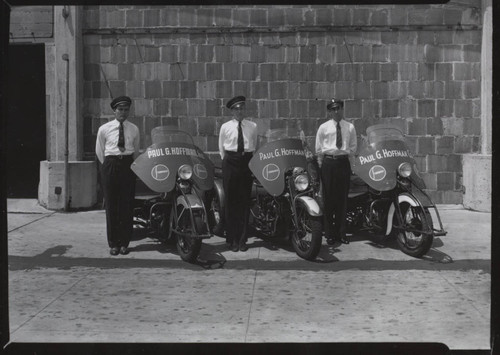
[
  {"x": 301, "y": 182},
  {"x": 404, "y": 169},
  {"x": 185, "y": 172}
]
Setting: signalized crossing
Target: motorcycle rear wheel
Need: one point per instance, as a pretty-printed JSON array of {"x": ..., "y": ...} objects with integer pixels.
[
  {"x": 187, "y": 246},
  {"x": 307, "y": 236},
  {"x": 413, "y": 243}
]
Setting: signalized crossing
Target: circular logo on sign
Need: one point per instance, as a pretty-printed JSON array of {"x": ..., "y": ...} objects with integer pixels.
[
  {"x": 160, "y": 172},
  {"x": 200, "y": 171},
  {"x": 377, "y": 173},
  {"x": 271, "y": 172}
]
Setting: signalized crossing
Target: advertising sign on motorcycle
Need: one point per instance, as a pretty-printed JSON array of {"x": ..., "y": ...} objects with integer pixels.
[
  {"x": 377, "y": 163},
  {"x": 270, "y": 162},
  {"x": 157, "y": 166}
]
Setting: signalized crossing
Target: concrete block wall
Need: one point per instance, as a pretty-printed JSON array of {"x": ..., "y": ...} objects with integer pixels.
[
  {"x": 31, "y": 24},
  {"x": 416, "y": 66}
]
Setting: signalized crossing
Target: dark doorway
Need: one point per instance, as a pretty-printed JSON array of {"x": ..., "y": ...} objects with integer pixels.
[{"x": 26, "y": 132}]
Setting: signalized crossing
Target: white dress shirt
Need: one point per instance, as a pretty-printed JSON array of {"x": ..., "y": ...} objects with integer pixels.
[
  {"x": 326, "y": 139},
  {"x": 107, "y": 139},
  {"x": 228, "y": 136}
]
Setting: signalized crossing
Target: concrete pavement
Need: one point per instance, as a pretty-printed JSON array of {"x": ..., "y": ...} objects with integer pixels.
[{"x": 65, "y": 287}]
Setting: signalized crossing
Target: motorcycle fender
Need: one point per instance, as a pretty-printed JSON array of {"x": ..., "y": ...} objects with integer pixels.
[
  {"x": 311, "y": 206},
  {"x": 390, "y": 215},
  {"x": 189, "y": 201},
  {"x": 219, "y": 190}
]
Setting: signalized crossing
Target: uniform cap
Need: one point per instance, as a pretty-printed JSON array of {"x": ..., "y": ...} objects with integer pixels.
[
  {"x": 334, "y": 103},
  {"x": 235, "y": 101},
  {"x": 121, "y": 100}
]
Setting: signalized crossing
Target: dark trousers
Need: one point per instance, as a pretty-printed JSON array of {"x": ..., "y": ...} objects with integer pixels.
[
  {"x": 118, "y": 184},
  {"x": 335, "y": 177},
  {"x": 237, "y": 183}
]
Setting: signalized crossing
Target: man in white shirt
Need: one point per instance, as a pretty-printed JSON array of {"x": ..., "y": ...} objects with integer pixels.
[
  {"x": 117, "y": 146},
  {"x": 237, "y": 142},
  {"x": 335, "y": 141}
]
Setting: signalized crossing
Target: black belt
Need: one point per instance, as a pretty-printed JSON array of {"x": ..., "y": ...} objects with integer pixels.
[
  {"x": 342, "y": 156},
  {"x": 241, "y": 154},
  {"x": 120, "y": 156}
]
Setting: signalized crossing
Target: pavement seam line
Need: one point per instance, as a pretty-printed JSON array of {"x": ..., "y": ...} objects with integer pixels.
[
  {"x": 51, "y": 302},
  {"x": 33, "y": 221},
  {"x": 469, "y": 301},
  {"x": 251, "y": 301}
]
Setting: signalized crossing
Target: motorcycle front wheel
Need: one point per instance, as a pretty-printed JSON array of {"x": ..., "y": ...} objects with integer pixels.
[
  {"x": 414, "y": 243},
  {"x": 306, "y": 237},
  {"x": 187, "y": 246}
]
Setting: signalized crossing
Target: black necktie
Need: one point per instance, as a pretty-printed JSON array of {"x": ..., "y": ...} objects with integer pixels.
[
  {"x": 121, "y": 139},
  {"x": 339, "y": 136},
  {"x": 241, "y": 145}
]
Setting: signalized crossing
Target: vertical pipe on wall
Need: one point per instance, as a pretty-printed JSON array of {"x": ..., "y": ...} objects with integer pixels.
[{"x": 65, "y": 57}]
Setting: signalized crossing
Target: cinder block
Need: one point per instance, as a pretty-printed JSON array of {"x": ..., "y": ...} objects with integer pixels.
[
  {"x": 169, "y": 16},
  {"x": 293, "y": 17},
  {"x": 472, "y": 52},
  {"x": 445, "y": 145},
  {"x": 187, "y": 17},
  {"x": 317, "y": 109},
  {"x": 276, "y": 17},
  {"x": 324, "y": 17},
  {"x": 425, "y": 71},
  {"x": 445, "y": 181},
  {"x": 343, "y": 90},
  {"x": 187, "y": 53},
  {"x": 258, "y": 54},
  {"x": 472, "y": 89},
  {"x": 434, "y": 90},
  {"x": 277, "y": 54},
  {"x": 380, "y": 90},
  {"x": 243, "y": 88},
  {"x": 206, "y": 126},
  {"x": 283, "y": 72},
  {"x": 361, "y": 53},
  {"x": 133, "y": 18},
  {"x": 362, "y": 90},
  {"x": 390, "y": 108},
  {"x": 267, "y": 72},
  {"x": 380, "y": 53},
  {"x": 452, "y": 16},
  {"x": 125, "y": 72},
  {"x": 433, "y": 53},
  {"x": 306, "y": 90},
  {"x": 476, "y": 108},
  {"x": 343, "y": 54},
  {"x": 453, "y": 197},
  {"x": 445, "y": 108},
  {"x": 418, "y": 127},
  {"x": 151, "y": 18},
  {"x": 205, "y": 53},
  {"x": 371, "y": 109},
  {"x": 463, "y": 108},
  {"x": 316, "y": 72},
  {"x": 463, "y": 144},
  {"x": 153, "y": 89},
  {"x": 426, "y": 108},
  {"x": 283, "y": 108},
  {"x": 379, "y": 17},
  {"x": 298, "y": 108},
  {"x": 435, "y": 126},
  {"x": 308, "y": 54},
  {"x": 388, "y": 38},
  {"x": 267, "y": 109},
  {"x": 179, "y": 107},
  {"x": 435, "y": 16},
  {"x": 214, "y": 107},
  {"x": 241, "y": 17},
  {"x": 353, "y": 72},
  {"x": 232, "y": 71},
  {"x": 426, "y": 145},
  {"x": 452, "y": 53},
  {"x": 205, "y": 17},
  {"x": 388, "y": 71},
  {"x": 472, "y": 126},
  {"x": 436, "y": 163},
  {"x": 342, "y": 17},
  {"x": 258, "y": 17},
  {"x": 197, "y": 71},
  {"x": 259, "y": 90},
  {"x": 188, "y": 89},
  {"x": 425, "y": 38},
  {"x": 213, "y": 146},
  {"x": 353, "y": 109},
  {"x": 325, "y": 54},
  {"x": 223, "y": 53},
  {"x": 241, "y": 53},
  {"x": 462, "y": 71},
  {"x": 416, "y": 89},
  {"x": 408, "y": 108},
  {"x": 143, "y": 107},
  {"x": 408, "y": 71},
  {"x": 298, "y": 72},
  {"x": 444, "y": 37},
  {"x": 162, "y": 70},
  {"x": 151, "y": 54},
  {"x": 249, "y": 71},
  {"x": 454, "y": 163},
  {"x": 430, "y": 180},
  {"x": 161, "y": 107},
  {"x": 453, "y": 126},
  {"x": 453, "y": 90},
  {"x": 205, "y": 89},
  {"x": 458, "y": 181},
  {"x": 371, "y": 71},
  {"x": 444, "y": 71},
  {"x": 421, "y": 161},
  {"x": 414, "y": 53},
  {"x": 214, "y": 71},
  {"x": 171, "y": 89}
]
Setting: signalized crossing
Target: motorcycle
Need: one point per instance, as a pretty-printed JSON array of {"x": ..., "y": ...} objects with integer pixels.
[
  {"x": 282, "y": 201},
  {"x": 179, "y": 175},
  {"x": 387, "y": 196}
]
